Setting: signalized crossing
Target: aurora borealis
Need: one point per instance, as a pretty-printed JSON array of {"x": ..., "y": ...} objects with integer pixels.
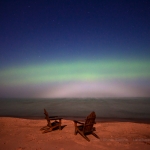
[
  {"x": 76, "y": 71},
  {"x": 79, "y": 74},
  {"x": 75, "y": 48}
]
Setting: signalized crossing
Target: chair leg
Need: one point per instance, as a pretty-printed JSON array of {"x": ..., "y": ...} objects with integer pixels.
[
  {"x": 95, "y": 135},
  {"x": 83, "y": 135},
  {"x": 59, "y": 124},
  {"x": 86, "y": 137},
  {"x": 48, "y": 130},
  {"x": 75, "y": 131},
  {"x": 44, "y": 128}
]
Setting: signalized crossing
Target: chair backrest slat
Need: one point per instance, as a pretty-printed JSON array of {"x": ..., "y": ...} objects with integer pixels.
[
  {"x": 89, "y": 122},
  {"x": 47, "y": 118}
]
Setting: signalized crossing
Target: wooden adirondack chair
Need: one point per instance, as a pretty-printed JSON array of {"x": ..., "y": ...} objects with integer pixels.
[
  {"x": 51, "y": 125},
  {"x": 86, "y": 127}
]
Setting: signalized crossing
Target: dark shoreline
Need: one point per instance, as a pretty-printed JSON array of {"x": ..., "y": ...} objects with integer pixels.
[{"x": 98, "y": 120}]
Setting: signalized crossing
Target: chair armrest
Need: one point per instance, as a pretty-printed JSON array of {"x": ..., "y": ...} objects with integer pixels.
[
  {"x": 75, "y": 121},
  {"x": 57, "y": 118},
  {"x": 53, "y": 116}
]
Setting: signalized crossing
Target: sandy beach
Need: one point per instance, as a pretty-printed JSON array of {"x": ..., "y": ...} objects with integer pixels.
[{"x": 25, "y": 134}]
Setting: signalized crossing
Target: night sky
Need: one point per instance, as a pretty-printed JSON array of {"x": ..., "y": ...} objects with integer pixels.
[{"x": 74, "y": 48}]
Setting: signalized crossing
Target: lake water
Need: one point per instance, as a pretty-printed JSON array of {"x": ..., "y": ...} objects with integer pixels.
[{"x": 105, "y": 108}]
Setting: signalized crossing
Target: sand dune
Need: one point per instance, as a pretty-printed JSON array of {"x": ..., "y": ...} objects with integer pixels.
[{"x": 25, "y": 134}]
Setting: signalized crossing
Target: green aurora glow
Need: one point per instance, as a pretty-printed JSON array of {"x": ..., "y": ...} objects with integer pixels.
[{"x": 75, "y": 71}]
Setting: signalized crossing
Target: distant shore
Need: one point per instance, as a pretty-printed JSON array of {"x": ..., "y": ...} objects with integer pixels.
[{"x": 98, "y": 120}]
